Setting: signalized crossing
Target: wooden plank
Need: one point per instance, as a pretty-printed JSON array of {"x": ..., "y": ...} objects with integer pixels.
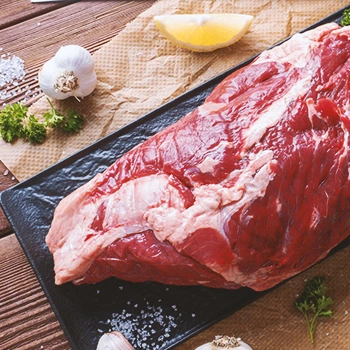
[
  {"x": 26, "y": 318},
  {"x": 16, "y": 11},
  {"x": 85, "y": 23}
]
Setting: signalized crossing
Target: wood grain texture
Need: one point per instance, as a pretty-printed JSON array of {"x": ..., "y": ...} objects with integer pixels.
[
  {"x": 34, "y": 32},
  {"x": 26, "y": 318},
  {"x": 17, "y": 11},
  {"x": 90, "y": 24}
]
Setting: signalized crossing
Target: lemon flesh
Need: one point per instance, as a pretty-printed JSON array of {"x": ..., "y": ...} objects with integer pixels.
[{"x": 203, "y": 32}]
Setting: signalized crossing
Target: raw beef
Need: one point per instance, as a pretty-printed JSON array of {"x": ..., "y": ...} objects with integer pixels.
[{"x": 249, "y": 189}]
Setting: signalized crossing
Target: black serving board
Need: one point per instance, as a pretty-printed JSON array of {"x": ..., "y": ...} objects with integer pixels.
[{"x": 153, "y": 316}]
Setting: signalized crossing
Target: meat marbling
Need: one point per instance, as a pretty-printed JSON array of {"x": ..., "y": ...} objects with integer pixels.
[{"x": 249, "y": 189}]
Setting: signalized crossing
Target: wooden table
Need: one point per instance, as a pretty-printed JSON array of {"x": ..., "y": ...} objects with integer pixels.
[{"x": 34, "y": 32}]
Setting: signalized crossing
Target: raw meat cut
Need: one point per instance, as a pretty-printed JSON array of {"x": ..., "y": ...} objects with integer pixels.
[{"x": 249, "y": 189}]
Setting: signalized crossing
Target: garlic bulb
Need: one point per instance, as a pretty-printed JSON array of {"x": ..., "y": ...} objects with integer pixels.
[
  {"x": 225, "y": 342},
  {"x": 69, "y": 73},
  {"x": 113, "y": 341}
]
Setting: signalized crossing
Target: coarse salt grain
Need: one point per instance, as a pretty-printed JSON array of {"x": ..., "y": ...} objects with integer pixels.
[
  {"x": 11, "y": 72},
  {"x": 145, "y": 328}
]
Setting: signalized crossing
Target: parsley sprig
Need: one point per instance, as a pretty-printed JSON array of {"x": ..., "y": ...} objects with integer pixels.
[
  {"x": 314, "y": 304},
  {"x": 11, "y": 118},
  {"x": 15, "y": 123},
  {"x": 345, "y": 21},
  {"x": 33, "y": 130},
  {"x": 71, "y": 122}
]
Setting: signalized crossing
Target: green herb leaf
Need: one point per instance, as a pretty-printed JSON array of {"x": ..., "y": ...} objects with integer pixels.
[
  {"x": 315, "y": 287},
  {"x": 314, "y": 304},
  {"x": 11, "y": 121},
  {"x": 328, "y": 313},
  {"x": 52, "y": 117},
  {"x": 72, "y": 122},
  {"x": 14, "y": 123},
  {"x": 345, "y": 21},
  {"x": 34, "y": 131},
  {"x": 324, "y": 302}
]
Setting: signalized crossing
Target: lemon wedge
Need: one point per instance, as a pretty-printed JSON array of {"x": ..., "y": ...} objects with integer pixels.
[{"x": 203, "y": 32}]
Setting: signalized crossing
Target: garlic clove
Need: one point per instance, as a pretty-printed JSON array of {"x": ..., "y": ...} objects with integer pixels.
[
  {"x": 47, "y": 82},
  {"x": 69, "y": 73},
  {"x": 89, "y": 85},
  {"x": 113, "y": 341},
  {"x": 224, "y": 343},
  {"x": 206, "y": 346},
  {"x": 74, "y": 58}
]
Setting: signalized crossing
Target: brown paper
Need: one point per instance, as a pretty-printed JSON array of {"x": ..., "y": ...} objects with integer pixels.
[{"x": 140, "y": 70}]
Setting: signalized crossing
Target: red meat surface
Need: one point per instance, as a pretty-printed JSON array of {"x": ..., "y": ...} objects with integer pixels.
[{"x": 249, "y": 189}]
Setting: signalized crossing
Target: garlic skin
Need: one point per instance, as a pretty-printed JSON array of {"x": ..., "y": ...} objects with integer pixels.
[
  {"x": 206, "y": 346},
  {"x": 113, "y": 341},
  {"x": 225, "y": 342},
  {"x": 69, "y": 73}
]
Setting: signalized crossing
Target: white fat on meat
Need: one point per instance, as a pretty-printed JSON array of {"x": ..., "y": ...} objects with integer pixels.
[
  {"x": 318, "y": 138},
  {"x": 214, "y": 204},
  {"x": 210, "y": 107},
  {"x": 208, "y": 164},
  {"x": 304, "y": 44},
  {"x": 151, "y": 202},
  {"x": 315, "y": 218},
  {"x": 126, "y": 206},
  {"x": 123, "y": 215},
  {"x": 274, "y": 113}
]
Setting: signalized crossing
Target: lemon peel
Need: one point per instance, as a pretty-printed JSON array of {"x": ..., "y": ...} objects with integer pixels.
[{"x": 203, "y": 32}]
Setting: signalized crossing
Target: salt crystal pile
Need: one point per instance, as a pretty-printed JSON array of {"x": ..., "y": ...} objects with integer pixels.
[
  {"x": 11, "y": 73},
  {"x": 143, "y": 330}
]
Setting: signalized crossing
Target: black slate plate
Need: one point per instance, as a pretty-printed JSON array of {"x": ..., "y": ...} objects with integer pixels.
[{"x": 151, "y": 315}]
